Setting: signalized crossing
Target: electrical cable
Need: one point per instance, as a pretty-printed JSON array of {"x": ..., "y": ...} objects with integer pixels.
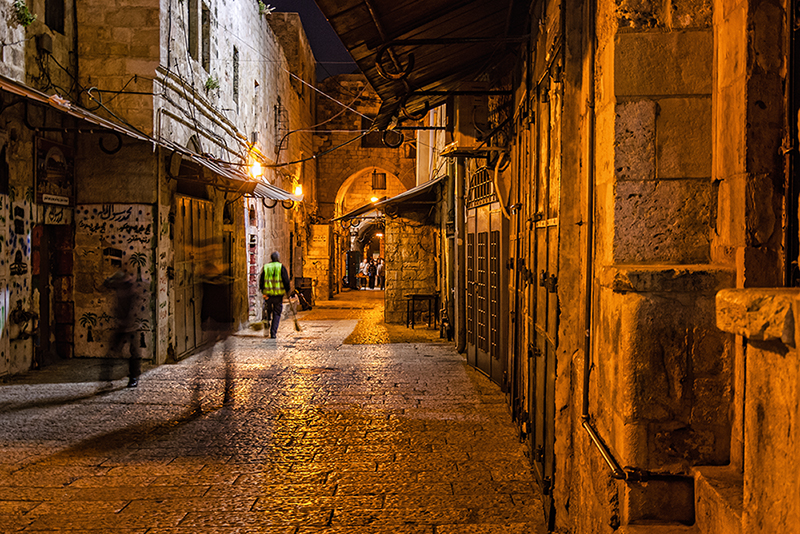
[{"x": 319, "y": 154}]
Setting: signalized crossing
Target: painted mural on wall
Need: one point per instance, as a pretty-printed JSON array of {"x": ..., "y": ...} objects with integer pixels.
[
  {"x": 164, "y": 346},
  {"x": 18, "y": 303},
  {"x": 110, "y": 238}
]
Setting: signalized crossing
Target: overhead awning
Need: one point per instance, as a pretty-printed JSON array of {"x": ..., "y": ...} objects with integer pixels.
[
  {"x": 65, "y": 106},
  {"x": 223, "y": 177},
  {"x": 358, "y": 212},
  {"x": 265, "y": 190},
  {"x": 422, "y": 194},
  {"x": 415, "y": 53}
]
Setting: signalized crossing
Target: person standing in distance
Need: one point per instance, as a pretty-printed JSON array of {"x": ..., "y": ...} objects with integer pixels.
[{"x": 274, "y": 283}]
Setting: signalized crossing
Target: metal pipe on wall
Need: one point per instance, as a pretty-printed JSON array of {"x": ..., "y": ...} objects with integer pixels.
[{"x": 461, "y": 262}]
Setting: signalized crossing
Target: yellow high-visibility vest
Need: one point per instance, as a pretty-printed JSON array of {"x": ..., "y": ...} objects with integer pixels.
[{"x": 273, "y": 285}]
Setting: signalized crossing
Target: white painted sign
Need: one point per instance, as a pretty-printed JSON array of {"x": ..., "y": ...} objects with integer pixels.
[{"x": 55, "y": 199}]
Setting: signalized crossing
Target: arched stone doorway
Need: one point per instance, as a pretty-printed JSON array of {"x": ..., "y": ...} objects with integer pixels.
[{"x": 364, "y": 233}]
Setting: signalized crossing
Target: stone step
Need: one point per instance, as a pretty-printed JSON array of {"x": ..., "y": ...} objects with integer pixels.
[
  {"x": 718, "y": 494},
  {"x": 657, "y": 528}
]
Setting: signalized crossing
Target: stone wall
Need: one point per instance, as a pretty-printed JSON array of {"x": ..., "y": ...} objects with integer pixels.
[
  {"x": 662, "y": 383},
  {"x": 410, "y": 255},
  {"x": 335, "y": 168},
  {"x": 766, "y": 319}
]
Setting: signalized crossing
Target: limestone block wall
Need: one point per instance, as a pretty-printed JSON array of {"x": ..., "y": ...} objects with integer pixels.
[
  {"x": 410, "y": 255},
  {"x": 662, "y": 400},
  {"x": 12, "y": 53},
  {"x": 52, "y": 73},
  {"x": 748, "y": 119},
  {"x": 335, "y": 168},
  {"x": 766, "y": 319},
  {"x": 319, "y": 262},
  {"x": 118, "y": 50},
  {"x": 662, "y": 385}
]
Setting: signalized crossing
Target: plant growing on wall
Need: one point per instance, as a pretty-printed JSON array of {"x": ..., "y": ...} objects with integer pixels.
[
  {"x": 264, "y": 9},
  {"x": 88, "y": 320},
  {"x": 211, "y": 83},
  {"x": 23, "y": 15},
  {"x": 139, "y": 259}
]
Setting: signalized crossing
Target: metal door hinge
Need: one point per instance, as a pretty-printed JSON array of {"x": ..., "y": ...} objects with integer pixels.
[{"x": 551, "y": 283}]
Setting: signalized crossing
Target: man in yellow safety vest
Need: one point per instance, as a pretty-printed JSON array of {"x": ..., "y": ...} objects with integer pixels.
[{"x": 274, "y": 283}]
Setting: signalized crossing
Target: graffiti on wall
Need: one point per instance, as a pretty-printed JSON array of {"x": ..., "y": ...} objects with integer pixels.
[{"x": 112, "y": 238}]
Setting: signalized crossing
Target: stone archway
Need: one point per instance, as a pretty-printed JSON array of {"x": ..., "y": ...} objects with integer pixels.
[{"x": 357, "y": 191}]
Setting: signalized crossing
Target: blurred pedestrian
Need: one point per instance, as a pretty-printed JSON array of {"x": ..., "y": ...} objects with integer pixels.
[
  {"x": 123, "y": 284},
  {"x": 216, "y": 315},
  {"x": 274, "y": 282}
]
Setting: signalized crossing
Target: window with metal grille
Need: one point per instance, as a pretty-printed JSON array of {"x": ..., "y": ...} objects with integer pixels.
[
  {"x": 481, "y": 292},
  {"x": 193, "y": 27},
  {"x": 494, "y": 293},
  {"x": 236, "y": 76},
  {"x": 481, "y": 188},
  {"x": 206, "y": 31},
  {"x": 281, "y": 127},
  {"x": 378, "y": 180},
  {"x": 471, "y": 289}
]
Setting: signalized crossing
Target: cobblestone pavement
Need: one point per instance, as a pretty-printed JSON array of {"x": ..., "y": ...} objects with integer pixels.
[{"x": 318, "y": 437}]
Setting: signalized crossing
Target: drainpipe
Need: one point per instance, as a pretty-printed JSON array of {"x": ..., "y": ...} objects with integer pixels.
[
  {"x": 627, "y": 473},
  {"x": 450, "y": 218},
  {"x": 589, "y": 253},
  {"x": 790, "y": 153},
  {"x": 461, "y": 263}
]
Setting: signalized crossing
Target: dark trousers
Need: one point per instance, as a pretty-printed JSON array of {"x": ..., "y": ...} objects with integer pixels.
[
  {"x": 372, "y": 281},
  {"x": 118, "y": 341},
  {"x": 273, "y": 307}
]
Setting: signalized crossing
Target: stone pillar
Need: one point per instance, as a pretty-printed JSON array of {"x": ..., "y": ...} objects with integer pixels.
[
  {"x": 410, "y": 256},
  {"x": 660, "y": 390},
  {"x": 765, "y": 318}
]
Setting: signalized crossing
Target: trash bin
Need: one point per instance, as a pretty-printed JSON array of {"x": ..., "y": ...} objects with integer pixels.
[{"x": 305, "y": 291}]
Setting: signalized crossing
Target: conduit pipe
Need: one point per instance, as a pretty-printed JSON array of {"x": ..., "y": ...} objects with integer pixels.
[
  {"x": 628, "y": 474},
  {"x": 496, "y": 185},
  {"x": 461, "y": 263}
]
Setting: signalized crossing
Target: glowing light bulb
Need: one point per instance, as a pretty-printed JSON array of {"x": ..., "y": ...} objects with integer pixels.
[
  {"x": 298, "y": 190},
  {"x": 255, "y": 170},
  {"x": 374, "y": 199}
]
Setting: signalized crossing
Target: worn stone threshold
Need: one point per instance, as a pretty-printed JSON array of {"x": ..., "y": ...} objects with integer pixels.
[
  {"x": 658, "y": 528},
  {"x": 719, "y": 498}
]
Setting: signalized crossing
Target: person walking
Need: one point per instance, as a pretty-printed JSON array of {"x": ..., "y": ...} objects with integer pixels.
[
  {"x": 123, "y": 284},
  {"x": 371, "y": 271},
  {"x": 274, "y": 283},
  {"x": 380, "y": 271},
  {"x": 364, "y": 270}
]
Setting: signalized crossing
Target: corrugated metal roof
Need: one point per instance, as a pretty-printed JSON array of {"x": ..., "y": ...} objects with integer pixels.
[
  {"x": 421, "y": 193},
  {"x": 450, "y": 42}
]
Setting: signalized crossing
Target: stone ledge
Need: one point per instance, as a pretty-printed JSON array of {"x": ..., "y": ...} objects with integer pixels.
[
  {"x": 635, "y": 278},
  {"x": 759, "y": 314},
  {"x": 719, "y": 498}
]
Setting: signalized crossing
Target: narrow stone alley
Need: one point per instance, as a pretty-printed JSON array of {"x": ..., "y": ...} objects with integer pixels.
[{"x": 332, "y": 429}]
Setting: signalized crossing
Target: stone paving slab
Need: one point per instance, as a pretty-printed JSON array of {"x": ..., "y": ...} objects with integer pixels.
[{"x": 320, "y": 437}]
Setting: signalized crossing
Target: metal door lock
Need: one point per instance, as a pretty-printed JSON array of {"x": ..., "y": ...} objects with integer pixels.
[{"x": 551, "y": 283}]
